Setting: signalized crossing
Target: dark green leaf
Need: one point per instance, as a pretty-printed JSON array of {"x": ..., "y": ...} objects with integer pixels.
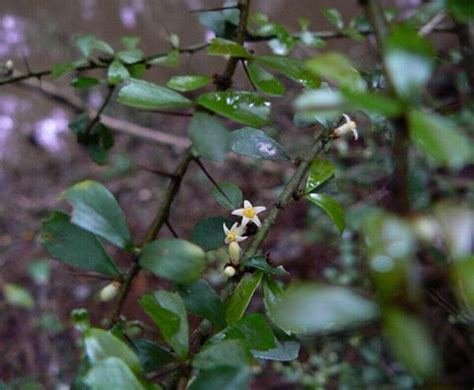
[
  {"x": 18, "y": 296},
  {"x": 130, "y": 56},
  {"x": 291, "y": 68},
  {"x": 254, "y": 331},
  {"x": 117, "y": 73},
  {"x": 136, "y": 70},
  {"x": 255, "y": 143},
  {"x": 100, "y": 345},
  {"x": 188, "y": 82},
  {"x": 169, "y": 313},
  {"x": 440, "y": 139},
  {"x": 265, "y": 81},
  {"x": 230, "y": 353},
  {"x": 331, "y": 207},
  {"x": 243, "y": 107},
  {"x": 96, "y": 210},
  {"x": 177, "y": 260},
  {"x": 209, "y": 136},
  {"x": 239, "y": 300},
  {"x": 75, "y": 246},
  {"x": 224, "y": 47},
  {"x": 228, "y": 378},
  {"x": 411, "y": 343},
  {"x": 223, "y": 23},
  {"x": 233, "y": 195},
  {"x": 61, "y": 69},
  {"x": 202, "y": 300},
  {"x": 284, "y": 351},
  {"x": 209, "y": 234},
  {"x": 142, "y": 94},
  {"x": 272, "y": 294},
  {"x": 152, "y": 356},
  {"x": 260, "y": 262},
  {"x": 313, "y": 308},
  {"x": 319, "y": 172},
  {"x": 461, "y": 10},
  {"x": 171, "y": 59},
  {"x": 334, "y": 16},
  {"x": 112, "y": 373},
  {"x": 89, "y": 42},
  {"x": 373, "y": 102},
  {"x": 85, "y": 82}
]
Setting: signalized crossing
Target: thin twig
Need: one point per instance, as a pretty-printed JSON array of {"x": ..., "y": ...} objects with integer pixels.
[
  {"x": 215, "y": 9},
  {"x": 171, "y": 229},
  {"x": 158, "y": 172},
  {"x": 244, "y": 65},
  {"x": 211, "y": 179},
  {"x": 96, "y": 117}
]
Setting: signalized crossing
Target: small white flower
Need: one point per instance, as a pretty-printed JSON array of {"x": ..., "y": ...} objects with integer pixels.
[
  {"x": 234, "y": 234},
  {"x": 249, "y": 213},
  {"x": 348, "y": 127},
  {"x": 229, "y": 271},
  {"x": 110, "y": 291}
]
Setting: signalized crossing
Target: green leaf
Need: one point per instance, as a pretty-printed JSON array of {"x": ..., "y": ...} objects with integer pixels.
[
  {"x": 152, "y": 356},
  {"x": 84, "y": 82},
  {"x": 461, "y": 10},
  {"x": 112, "y": 373},
  {"x": 136, "y": 70},
  {"x": 260, "y": 262},
  {"x": 334, "y": 16},
  {"x": 255, "y": 143},
  {"x": 89, "y": 42},
  {"x": 291, "y": 68},
  {"x": 100, "y": 345},
  {"x": 142, "y": 94},
  {"x": 272, "y": 294},
  {"x": 223, "y": 23},
  {"x": 75, "y": 246},
  {"x": 254, "y": 331},
  {"x": 322, "y": 105},
  {"x": 233, "y": 195},
  {"x": 171, "y": 59},
  {"x": 80, "y": 319},
  {"x": 238, "y": 302},
  {"x": 405, "y": 49},
  {"x": 18, "y": 296},
  {"x": 117, "y": 73},
  {"x": 373, "y": 102},
  {"x": 177, "y": 260},
  {"x": 312, "y": 308},
  {"x": 411, "y": 343},
  {"x": 224, "y": 47},
  {"x": 96, "y": 210},
  {"x": 188, "y": 82},
  {"x": 209, "y": 234},
  {"x": 201, "y": 299},
  {"x": 284, "y": 351},
  {"x": 169, "y": 314},
  {"x": 440, "y": 139},
  {"x": 130, "y": 42},
  {"x": 331, "y": 207},
  {"x": 243, "y": 107},
  {"x": 228, "y": 378},
  {"x": 319, "y": 172},
  {"x": 209, "y": 136},
  {"x": 337, "y": 67},
  {"x": 230, "y": 353},
  {"x": 264, "y": 80},
  {"x": 59, "y": 70},
  {"x": 130, "y": 56},
  {"x": 462, "y": 277}
]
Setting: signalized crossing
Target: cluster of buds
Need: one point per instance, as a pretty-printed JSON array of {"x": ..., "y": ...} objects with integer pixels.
[{"x": 235, "y": 234}]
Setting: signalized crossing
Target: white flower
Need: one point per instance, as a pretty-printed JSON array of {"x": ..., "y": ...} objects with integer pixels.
[
  {"x": 234, "y": 234},
  {"x": 349, "y": 126},
  {"x": 229, "y": 271},
  {"x": 110, "y": 291},
  {"x": 249, "y": 213}
]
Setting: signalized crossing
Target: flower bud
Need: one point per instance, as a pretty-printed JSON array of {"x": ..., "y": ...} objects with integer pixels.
[
  {"x": 234, "y": 253},
  {"x": 348, "y": 127},
  {"x": 9, "y": 65},
  {"x": 110, "y": 291},
  {"x": 229, "y": 271}
]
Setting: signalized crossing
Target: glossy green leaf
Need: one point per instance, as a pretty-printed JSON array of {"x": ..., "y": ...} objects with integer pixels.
[
  {"x": 230, "y": 353},
  {"x": 228, "y": 378},
  {"x": 88, "y": 43},
  {"x": 243, "y": 107},
  {"x": 254, "y": 331},
  {"x": 100, "y": 345},
  {"x": 84, "y": 82},
  {"x": 117, "y": 73},
  {"x": 233, "y": 195},
  {"x": 130, "y": 56},
  {"x": 319, "y": 172},
  {"x": 411, "y": 343},
  {"x": 169, "y": 314},
  {"x": 441, "y": 139},
  {"x": 18, "y": 296},
  {"x": 256, "y": 143},
  {"x": 260, "y": 262},
  {"x": 264, "y": 81},
  {"x": 312, "y": 308},
  {"x": 75, "y": 246},
  {"x": 291, "y": 68},
  {"x": 337, "y": 67},
  {"x": 224, "y": 47},
  {"x": 112, "y": 373},
  {"x": 146, "y": 95},
  {"x": 171, "y": 59},
  {"x": 334, "y": 16},
  {"x": 209, "y": 234},
  {"x": 272, "y": 294},
  {"x": 96, "y": 210},
  {"x": 209, "y": 136},
  {"x": 284, "y": 351},
  {"x": 331, "y": 207},
  {"x": 373, "y": 102},
  {"x": 152, "y": 356},
  {"x": 239, "y": 300},
  {"x": 202, "y": 300},
  {"x": 177, "y": 260},
  {"x": 188, "y": 82}
]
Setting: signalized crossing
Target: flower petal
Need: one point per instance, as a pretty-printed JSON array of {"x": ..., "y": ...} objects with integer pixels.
[
  {"x": 256, "y": 221},
  {"x": 245, "y": 221},
  {"x": 239, "y": 212},
  {"x": 240, "y": 238},
  {"x": 247, "y": 204},
  {"x": 259, "y": 209},
  {"x": 226, "y": 229}
]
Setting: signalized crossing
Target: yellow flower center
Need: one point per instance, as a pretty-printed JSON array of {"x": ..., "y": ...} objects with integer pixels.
[
  {"x": 231, "y": 237},
  {"x": 249, "y": 212}
]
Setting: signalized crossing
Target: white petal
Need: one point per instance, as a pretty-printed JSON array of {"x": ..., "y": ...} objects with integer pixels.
[
  {"x": 240, "y": 238},
  {"x": 226, "y": 240},
  {"x": 245, "y": 221},
  {"x": 346, "y": 117},
  {"x": 256, "y": 221},
  {"x": 239, "y": 212},
  {"x": 234, "y": 227},
  {"x": 226, "y": 229},
  {"x": 259, "y": 209},
  {"x": 247, "y": 204}
]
